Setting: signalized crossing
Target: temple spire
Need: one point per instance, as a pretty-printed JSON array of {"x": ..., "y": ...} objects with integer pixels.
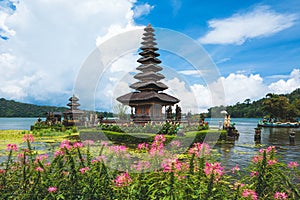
[
  {"x": 149, "y": 77},
  {"x": 147, "y": 100}
]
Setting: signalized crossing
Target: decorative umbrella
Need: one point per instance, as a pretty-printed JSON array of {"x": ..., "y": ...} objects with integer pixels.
[{"x": 224, "y": 112}]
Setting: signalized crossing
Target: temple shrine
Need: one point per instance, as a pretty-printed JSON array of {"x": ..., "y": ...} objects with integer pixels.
[
  {"x": 73, "y": 116},
  {"x": 148, "y": 100}
]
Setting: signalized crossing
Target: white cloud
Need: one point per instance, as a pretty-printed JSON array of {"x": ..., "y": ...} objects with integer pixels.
[
  {"x": 141, "y": 10},
  {"x": 260, "y": 22},
  {"x": 176, "y": 4},
  {"x": 237, "y": 88},
  {"x": 52, "y": 39},
  {"x": 286, "y": 86},
  {"x": 196, "y": 73}
]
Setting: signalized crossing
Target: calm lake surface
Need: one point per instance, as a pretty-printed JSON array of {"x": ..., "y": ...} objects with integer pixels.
[
  {"x": 16, "y": 123},
  {"x": 235, "y": 152}
]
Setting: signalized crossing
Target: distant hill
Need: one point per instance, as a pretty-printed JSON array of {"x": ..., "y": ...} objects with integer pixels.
[{"x": 11, "y": 108}]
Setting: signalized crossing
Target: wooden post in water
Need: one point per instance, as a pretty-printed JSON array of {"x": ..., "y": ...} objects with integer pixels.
[
  {"x": 257, "y": 135},
  {"x": 292, "y": 137}
]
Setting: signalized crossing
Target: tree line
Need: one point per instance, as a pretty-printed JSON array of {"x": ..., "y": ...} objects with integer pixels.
[
  {"x": 283, "y": 107},
  {"x": 11, "y": 108}
]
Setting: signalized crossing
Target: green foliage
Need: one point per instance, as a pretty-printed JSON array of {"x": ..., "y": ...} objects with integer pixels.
[
  {"x": 11, "y": 108},
  {"x": 285, "y": 107},
  {"x": 74, "y": 173},
  {"x": 167, "y": 128}
]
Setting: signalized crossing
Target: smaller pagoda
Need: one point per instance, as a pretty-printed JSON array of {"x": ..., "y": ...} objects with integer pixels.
[
  {"x": 147, "y": 100},
  {"x": 73, "y": 116}
]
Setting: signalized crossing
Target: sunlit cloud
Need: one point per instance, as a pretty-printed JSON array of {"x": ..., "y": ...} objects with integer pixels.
[{"x": 262, "y": 21}]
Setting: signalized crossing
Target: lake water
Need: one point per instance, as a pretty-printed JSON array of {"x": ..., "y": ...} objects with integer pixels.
[
  {"x": 16, "y": 123},
  {"x": 236, "y": 152}
]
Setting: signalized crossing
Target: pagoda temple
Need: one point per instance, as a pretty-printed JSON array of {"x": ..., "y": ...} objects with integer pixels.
[
  {"x": 148, "y": 100},
  {"x": 73, "y": 116}
]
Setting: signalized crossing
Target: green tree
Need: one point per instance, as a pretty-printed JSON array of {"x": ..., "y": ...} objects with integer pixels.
[{"x": 121, "y": 110}]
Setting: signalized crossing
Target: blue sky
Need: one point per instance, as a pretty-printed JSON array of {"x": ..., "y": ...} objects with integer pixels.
[{"x": 255, "y": 46}]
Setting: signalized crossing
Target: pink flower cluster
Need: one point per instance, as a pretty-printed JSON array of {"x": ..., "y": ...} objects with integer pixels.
[
  {"x": 84, "y": 169},
  {"x": 175, "y": 144},
  {"x": 200, "y": 149},
  {"x": 39, "y": 169},
  {"x": 52, "y": 189},
  {"x": 58, "y": 153},
  {"x": 254, "y": 173},
  {"x": 88, "y": 142},
  {"x": 272, "y": 162},
  {"x": 118, "y": 149},
  {"x": 141, "y": 165},
  {"x": 213, "y": 168},
  {"x": 11, "y": 147},
  {"x": 293, "y": 165},
  {"x": 41, "y": 157},
  {"x": 250, "y": 193},
  {"x": 268, "y": 150},
  {"x": 99, "y": 159},
  {"x": 65, "y": 144},
  {"x": 28, "y": 137},
  {"x": 157, "y": 145},
  {"x": 257, "y": 159},
  {"x": 142, "y": 146},
  {"x": 235, "y": 168},
  {"x": 280, "y": 195},
  {"x": 171, "y": 165},
  {"x": 78, "y": 145},
  {"x": 122, "y": 180}
]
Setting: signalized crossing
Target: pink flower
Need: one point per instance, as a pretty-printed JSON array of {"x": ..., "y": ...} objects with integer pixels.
[
  {"x": 254, "y": 173},
  {"x": 123, "y": 180},
  {"x": 272, "y": 162},
  {"x": 160, "y": 138},
  {"x": 65, "y": 144},
  {"x": 88, "y": 142},
  {"x": 84, "y": 169},
  {"x": 293, "y": 165},
  {"x": 118, "y": 149},
  {"x": 142, "y": 146},
  {"x": 271, "y": 148},
  {"x": 78, "y": 145},
  {"x": 250, "y": 193},
  {"x": 41, "y": 157},
  {"x": 141, "y": 165},
  {"x": 28, "y": 137},
  {"x": 58, "y": 153},
  {"x": 200, "y": 149},
  {"x": 52, "y": 189},
  {"x": 175, "y": 143},
  {"x": 11, "y": 147},
  {"x": 170, "y": 165},
  {"x": 238, "y": 184},
  {"x": 39, "y": 169},
  {"x": 236, "y": 168},
  {"x": 99, "y": 158},
  {"x": 280, "y": 195},
  {"x": 104, "y": 143},
  {"x": 213, "y": 168},
  {"x": 268, "y": 150},
  {"x": 257, "y": 159}
]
